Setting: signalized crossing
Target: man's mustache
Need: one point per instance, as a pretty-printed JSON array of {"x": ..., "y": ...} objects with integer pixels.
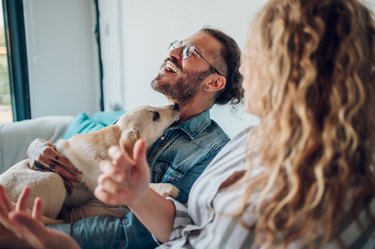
[{"x": 174, "y": 61}]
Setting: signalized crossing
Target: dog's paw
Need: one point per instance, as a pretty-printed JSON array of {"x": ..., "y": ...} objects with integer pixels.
[{"x": 165, "y": 189}]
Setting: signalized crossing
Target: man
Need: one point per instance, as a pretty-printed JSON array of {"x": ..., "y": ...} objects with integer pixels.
[{"x": 199, "y": 72}]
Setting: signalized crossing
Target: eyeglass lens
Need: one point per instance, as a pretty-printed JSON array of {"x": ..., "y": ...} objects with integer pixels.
[{"x": 187, "y": 50}]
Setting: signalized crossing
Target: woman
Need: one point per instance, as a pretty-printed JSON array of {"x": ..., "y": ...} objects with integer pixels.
[{"x": 304, "y": 177}]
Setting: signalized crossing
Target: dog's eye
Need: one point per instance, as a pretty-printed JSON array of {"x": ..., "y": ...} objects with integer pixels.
[{"x": 155, "y": 116}]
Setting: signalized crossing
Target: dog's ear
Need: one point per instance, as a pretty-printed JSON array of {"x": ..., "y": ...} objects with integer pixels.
[{"x": 128, "y": 140}]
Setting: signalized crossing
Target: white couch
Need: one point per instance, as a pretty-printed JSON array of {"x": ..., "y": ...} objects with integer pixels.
[{"x": 16, "y": 137}]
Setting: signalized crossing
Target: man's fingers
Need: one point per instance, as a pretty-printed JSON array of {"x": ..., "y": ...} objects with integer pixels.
[
  {"x": 65, "y": 163},
  {"x": 22, "y": 199},
  {"x": 70, "y": 167},
  {"x": 67, "y": 174},
  {"x": 58, "y": 163},
  {"x": 53, "y": 166}
]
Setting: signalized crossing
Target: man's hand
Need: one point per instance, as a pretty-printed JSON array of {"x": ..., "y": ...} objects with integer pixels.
[
  {"x": 124, "y": 180},
  {"x": 30, "y": 228},
  {"x": 43, "y": 156}
]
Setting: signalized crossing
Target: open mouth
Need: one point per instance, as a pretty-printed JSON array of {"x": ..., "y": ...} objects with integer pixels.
[{"x": 170, "y": 67}]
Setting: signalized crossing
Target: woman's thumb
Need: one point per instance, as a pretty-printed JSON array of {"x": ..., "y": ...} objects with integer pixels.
[{"x": 139, "y": 152}]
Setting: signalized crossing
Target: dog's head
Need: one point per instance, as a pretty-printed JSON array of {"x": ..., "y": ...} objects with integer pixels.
[{"x": 145, "y": 122}]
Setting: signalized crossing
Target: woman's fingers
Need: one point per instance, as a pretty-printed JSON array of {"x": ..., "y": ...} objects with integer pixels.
[
  {"x": 109, "y": 170},
  {"x": 22, "y": 219},
  {"x": 109, "y": 189},
  {"x": 4, "y": 208},
  {"x": 37, "y": 209},
  {"x": 108, "y": 184},
  {"x": 5, "y": 199},
  {"x": 140, "y": 157},
  {"x": 105, "y": 196},
  {"x": 123, "y": 178},
  {"x": 22, "y": 199},
  {"x": 30, "y": 230},
  {"x": 119, "y": 158}
]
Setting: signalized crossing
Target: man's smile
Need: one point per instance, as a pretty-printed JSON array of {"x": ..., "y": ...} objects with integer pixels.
[{"x": 170, "y": 67}]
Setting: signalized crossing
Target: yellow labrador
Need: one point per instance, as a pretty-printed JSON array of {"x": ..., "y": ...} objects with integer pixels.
[{"x": 85, "y": 151}]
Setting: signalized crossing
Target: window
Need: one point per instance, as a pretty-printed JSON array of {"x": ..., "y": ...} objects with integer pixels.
[
  {"x": 6, "y": 114},
  {"x": 17, "y": 88}
]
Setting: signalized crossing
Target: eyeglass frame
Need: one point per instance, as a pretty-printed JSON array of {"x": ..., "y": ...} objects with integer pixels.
[{"x": 178, "y": 44}]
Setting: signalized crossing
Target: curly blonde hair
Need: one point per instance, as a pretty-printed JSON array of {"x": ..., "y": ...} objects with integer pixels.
[{"x": 316, "y": 140}]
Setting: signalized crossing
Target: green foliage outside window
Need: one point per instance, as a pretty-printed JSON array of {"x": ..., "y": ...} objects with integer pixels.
[
  {"x": 4, "y": 79},
  {"x": 2, "y": 37}
]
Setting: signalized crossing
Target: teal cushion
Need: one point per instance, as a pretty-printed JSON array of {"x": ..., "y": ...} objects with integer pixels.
[{"x": 85, "y": 124}]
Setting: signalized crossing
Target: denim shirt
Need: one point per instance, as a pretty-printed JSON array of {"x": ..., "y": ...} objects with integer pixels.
[
  {"x": 183, "y": 152},
  {"x": 178, "y": 157}
]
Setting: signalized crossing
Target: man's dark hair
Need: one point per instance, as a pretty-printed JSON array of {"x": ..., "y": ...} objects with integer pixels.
[{"x": 231, "y": 54}]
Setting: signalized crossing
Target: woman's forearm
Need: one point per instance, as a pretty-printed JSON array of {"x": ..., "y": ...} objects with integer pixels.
[{"x": 156, "y": 213}]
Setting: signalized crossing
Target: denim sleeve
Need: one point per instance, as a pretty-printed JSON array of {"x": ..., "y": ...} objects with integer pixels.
[{"x": 109, "y": 232}]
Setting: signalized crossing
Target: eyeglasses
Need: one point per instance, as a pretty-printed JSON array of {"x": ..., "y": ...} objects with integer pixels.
[{"x": 188, "y": 50}]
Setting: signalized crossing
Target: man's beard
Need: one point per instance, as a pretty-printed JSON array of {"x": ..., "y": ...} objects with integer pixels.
[{"x": 182, "y": 90}]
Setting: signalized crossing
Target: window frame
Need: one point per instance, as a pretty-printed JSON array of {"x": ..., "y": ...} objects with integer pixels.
[{"x": 15, "y": 36}]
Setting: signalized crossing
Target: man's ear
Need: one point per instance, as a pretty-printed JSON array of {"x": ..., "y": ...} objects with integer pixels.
[
  {"x": 215, "y": 83},
  {"x": 128, "y": 139}
]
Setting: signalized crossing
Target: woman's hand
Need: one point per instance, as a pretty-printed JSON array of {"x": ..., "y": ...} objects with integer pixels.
[
  {"x": 43, "y": 156},
  {"x": 124, "y": 180},
  {"x": 30, "y": 228}
]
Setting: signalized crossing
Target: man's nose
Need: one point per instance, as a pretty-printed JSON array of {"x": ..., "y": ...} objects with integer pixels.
[{"x": 175, "y": 53}]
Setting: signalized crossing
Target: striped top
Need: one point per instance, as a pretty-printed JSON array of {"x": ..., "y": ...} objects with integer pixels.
[{"x": 207, "y": 221}]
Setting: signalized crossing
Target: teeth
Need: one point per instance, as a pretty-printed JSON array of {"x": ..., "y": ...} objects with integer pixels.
[{"x": 171, "y": 67}]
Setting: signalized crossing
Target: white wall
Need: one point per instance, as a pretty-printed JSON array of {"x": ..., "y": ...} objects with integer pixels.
[
  {"x": 138, "y": 33},
  {"x": 62, "y": 57},
  {"x": 62, "y": 54},
  {"x": 147, "y": 28}
]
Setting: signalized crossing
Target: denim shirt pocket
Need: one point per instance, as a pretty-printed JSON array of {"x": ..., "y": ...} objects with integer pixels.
[
  {"x": 166, "y": 171},
  {"x": 173, "y": 174}
]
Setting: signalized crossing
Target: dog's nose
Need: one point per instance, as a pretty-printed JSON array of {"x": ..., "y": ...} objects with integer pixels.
[{"x": 175, "y": 107}]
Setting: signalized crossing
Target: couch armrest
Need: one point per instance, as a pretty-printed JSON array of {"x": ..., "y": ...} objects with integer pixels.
[{"x": 16, "y": 137}]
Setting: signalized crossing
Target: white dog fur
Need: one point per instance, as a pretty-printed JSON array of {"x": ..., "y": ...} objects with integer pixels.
[{"x": 85, "y": 151}]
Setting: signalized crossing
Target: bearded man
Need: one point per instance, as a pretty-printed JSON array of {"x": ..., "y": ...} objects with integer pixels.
[{"x": 200, "y": 71}]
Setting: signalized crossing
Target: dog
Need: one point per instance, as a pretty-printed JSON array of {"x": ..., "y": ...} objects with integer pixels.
[{"x": 85, "y": 151}]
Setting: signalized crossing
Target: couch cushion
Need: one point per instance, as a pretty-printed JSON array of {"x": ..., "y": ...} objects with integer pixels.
[{"x": 85, "y": 124}]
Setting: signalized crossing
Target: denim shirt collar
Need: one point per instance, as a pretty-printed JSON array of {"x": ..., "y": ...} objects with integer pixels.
[{"x": 195, "y": 125}]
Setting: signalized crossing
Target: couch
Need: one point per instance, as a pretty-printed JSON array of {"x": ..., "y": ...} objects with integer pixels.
[{"x": 16, "y": 137}]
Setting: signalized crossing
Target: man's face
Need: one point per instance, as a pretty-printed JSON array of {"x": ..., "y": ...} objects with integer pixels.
[{"x": 181, "y": 79}]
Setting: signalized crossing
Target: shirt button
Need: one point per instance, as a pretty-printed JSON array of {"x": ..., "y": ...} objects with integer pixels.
[{"x": 162, "y": 138}]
